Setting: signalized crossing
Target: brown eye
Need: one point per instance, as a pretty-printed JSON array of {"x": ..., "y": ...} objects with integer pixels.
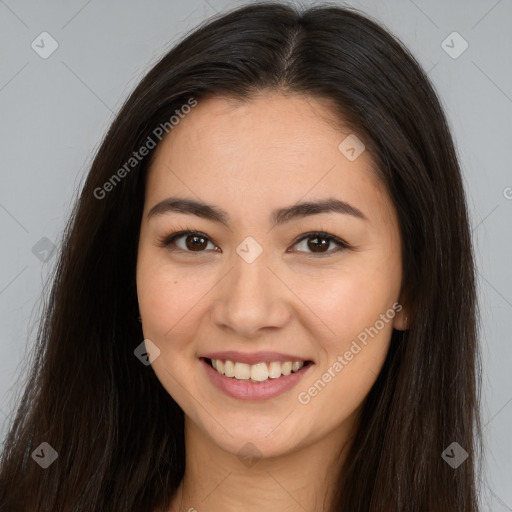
[
  {"x": 187, "y": 241},
  {"x": 319, "y": 242},
  {"x": 195, "y": 242}
]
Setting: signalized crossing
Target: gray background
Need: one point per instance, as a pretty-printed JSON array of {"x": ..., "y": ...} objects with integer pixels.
[{"x": 54, "y": 112}]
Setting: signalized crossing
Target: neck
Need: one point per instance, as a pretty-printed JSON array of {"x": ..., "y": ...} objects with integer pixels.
[{"x": 216, "y": 480}]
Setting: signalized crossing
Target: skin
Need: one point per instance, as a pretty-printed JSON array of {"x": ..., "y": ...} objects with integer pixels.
[{"x": 248, "y": 159}]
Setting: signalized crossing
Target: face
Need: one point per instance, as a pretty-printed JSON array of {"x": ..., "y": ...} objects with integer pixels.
[{"x": 252, "y": 283}]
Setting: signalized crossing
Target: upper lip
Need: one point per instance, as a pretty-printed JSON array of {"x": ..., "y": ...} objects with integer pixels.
[{"x": 253, "y": 357}]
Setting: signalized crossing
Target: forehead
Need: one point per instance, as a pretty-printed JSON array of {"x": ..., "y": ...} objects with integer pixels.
[{"x": 273, "y": 149}]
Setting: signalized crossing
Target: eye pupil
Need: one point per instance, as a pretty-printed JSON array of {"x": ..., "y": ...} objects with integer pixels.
[
  {"x": 196, "y": 244},
  {"x": 316, "y": 245}
]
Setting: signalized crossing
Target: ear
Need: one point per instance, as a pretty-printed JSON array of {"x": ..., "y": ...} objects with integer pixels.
[{"x": 401, "y": 321}]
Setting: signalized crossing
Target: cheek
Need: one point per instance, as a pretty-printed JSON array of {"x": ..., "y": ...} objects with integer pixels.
[
  {"x": 169, "y": 301},
  {"x": 354, "y": 340},
  {"x": 351, "y": 301}
]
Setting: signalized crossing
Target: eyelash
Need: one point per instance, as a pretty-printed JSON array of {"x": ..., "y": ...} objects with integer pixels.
[{"x": 167, "y": 240}]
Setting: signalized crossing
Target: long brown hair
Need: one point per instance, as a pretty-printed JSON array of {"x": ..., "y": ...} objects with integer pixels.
[{"x": 117, "y": 432}]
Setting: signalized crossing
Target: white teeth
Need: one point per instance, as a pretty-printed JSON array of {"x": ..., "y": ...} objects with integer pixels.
[
  {"x": 259, "y": 372},
  {"x": 296, "y": 366},
  {"x": 229, "y": 368},
  {"x": 242, "y": 371},
  {"x": 274, "y": 369},
  {"x": 286, "y": 368}
]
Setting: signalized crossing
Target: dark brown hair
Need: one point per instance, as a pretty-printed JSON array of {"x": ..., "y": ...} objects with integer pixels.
[{"x": 118, "y": 433}]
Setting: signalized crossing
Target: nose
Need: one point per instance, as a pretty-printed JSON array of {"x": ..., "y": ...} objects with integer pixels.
[{"x": 251, "y": 299}]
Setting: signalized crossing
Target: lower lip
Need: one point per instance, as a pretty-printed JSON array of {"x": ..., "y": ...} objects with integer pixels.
[{"x": 254, "y": 391}]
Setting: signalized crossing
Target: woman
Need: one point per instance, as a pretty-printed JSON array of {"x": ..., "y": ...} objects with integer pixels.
[{"x": 266, "y": 295}]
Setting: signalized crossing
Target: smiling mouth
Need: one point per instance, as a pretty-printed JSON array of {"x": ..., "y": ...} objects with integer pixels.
[{"x": 259, "y": 372}]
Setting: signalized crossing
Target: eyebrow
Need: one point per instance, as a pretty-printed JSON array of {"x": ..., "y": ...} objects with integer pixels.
[{"x": 278, "y": 216}]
